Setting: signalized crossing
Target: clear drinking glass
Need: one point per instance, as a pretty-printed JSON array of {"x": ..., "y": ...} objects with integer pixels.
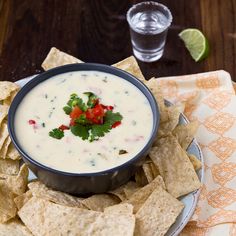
[{"x": 149, "y": 23}]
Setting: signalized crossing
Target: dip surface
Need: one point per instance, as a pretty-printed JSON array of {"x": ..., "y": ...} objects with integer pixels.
[{"x": 44, "y": 104}]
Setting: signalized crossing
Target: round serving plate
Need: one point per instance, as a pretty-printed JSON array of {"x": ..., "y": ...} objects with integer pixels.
[{"x": 189, "y": 200}]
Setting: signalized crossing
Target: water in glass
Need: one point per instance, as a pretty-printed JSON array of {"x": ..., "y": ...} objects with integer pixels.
[{"x": 148, "y": 29}]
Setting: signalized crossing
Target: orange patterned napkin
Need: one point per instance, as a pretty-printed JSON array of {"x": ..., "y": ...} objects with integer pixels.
[{"x": 210, "y": 98}]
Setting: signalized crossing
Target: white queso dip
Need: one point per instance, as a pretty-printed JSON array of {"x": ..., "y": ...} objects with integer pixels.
[{"x": 83, "y": 122}]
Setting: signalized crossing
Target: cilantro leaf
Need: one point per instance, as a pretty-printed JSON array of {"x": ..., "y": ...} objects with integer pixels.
[
  {"x": 92, "y": 99},
  {"x": 56, "y": 133},
  {"x": 67, "y": 109},
  {"x": 112, "y": 117},
  {"x": 80, "y": 130},
  {"x": 122, "y": 151},
  {"x": 99, "y": 131}
]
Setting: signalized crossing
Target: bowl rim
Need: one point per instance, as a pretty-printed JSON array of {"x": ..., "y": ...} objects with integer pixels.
[{"x": 83, "y": 67}]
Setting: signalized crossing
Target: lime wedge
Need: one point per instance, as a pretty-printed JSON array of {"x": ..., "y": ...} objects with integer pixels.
[{"x": 196, "y": 43}]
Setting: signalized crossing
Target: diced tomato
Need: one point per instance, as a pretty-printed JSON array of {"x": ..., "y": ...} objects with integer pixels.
[
  {"x": 98, "y": 111},
  {"x": 109, "y": 108},
  {"x": 63, "y": 127},
  {"x": 97, "y": 120},
  {"x": 76, "y": 112},
  {"x": 116, "y": 124},
  {"x": 96, "y": 114},
  {"x": 72, "y": 122},
  {"x": 89, "y": 114},
  {"x": 91, "y": 117},
  {"x": 32, "y": 122}
]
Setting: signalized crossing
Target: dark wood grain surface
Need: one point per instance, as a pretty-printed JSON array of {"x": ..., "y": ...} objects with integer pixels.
[{"x": 97, "y": 31}]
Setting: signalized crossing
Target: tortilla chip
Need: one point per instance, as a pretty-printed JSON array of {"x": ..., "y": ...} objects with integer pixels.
[
  {"x": 6, "y": 89},
  {"x": 57, "y": 58},
  {"x": 46, "y": 218},
  {"x": 119, "y": 192},
  {"x": 175, "y": 167},
  {"x": 130, "y": 65},
  {"x": 3, "y": 133},
  {"x": 155, "y": 171},
  {"x": 130, "y": 188},
  {"x": 195, "y": 162},
  {"x": 185, "y": 133},
  {"x": 140, "y": 177},
  {"x": 3, "y": 113},
  {"x": 42, "y": 217},
  {"x": 140, "y": 196},
  {"x": 9, "y": 99},
  {"x": 113, "y": 224},
  {"x": 12, "y": 153},
  {"x": 7, "y": 204},
  {"x": 122, "y": 208},
  {"x": 21, "y": 200},
  {"x": 3, "y": 150},
  {"x": 40, "y": 190},
  {"x": 99, "y": 202},
  {"x": 18, "y": 183},
  {"x": 171, "y": 120},
  {"x": 9, "y": 167},
  {"x": 148, "y": 172},
  {"x": 21, "y": 180},
  {"x": 14, "y": 228},
  {"x": 157, "y": 214},
  {"x": 152, "y": 84}
]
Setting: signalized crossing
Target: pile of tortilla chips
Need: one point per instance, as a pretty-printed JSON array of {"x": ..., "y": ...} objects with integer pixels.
[{"x": 146, "y": 205}]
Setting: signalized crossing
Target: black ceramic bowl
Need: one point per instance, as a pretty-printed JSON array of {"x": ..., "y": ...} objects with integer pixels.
[{"x": 76, "y": 183}]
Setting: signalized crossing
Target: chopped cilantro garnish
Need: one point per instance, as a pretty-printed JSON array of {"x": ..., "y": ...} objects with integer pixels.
[
  {"x": 90, "y": 120},
  {"x": 82, "y": 120},
  {"x": 79, "y": 102},
  {"x": 56, "y": 133},
  {"x": 92, "y": 162},
  {"x": 76, "y": 101},
  {"x": 122, "y": 152}
]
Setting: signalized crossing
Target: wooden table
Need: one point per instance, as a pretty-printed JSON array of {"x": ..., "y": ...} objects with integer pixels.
[{"x": 97, "y": 31}]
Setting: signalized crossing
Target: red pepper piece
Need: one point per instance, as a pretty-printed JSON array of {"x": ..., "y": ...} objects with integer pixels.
[
  {"x": 63, "y": 127},
  {"x": 32, "y": 122},
  {"x": 109, "y": 108},
  {"x": 72, "y": 122},
  {"x": 116, "y": 124},
  {"x": 98, "y": 111}
]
